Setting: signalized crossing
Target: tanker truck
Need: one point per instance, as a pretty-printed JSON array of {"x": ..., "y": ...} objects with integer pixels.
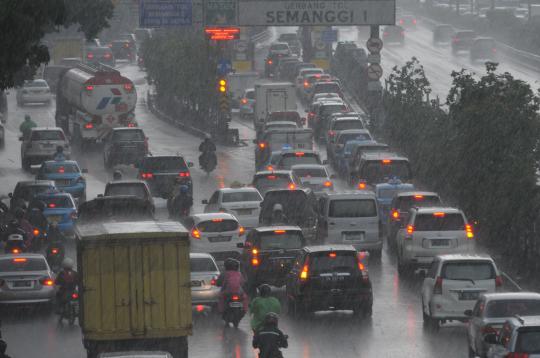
[{"x": 90, "y": 101}]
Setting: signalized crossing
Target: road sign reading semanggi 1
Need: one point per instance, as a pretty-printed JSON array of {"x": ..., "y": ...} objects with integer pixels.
[{"x": 314, "y": 13}]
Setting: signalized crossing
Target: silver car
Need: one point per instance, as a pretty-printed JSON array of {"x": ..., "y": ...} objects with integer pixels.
[
  {"x": 204, "y": 275},
  {"x": 145, "y": 354},
  {"x": 490, "y": 313},
  {"x": 36, "y": 91},
  {"x": 26, "y": 279}
]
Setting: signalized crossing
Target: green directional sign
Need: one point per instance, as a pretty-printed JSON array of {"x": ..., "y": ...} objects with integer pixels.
[{"x": 220, "y": 12}]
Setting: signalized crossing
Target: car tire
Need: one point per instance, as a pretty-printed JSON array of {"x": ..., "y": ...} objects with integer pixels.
[
  {"x": 430, "y": 323},
  {"x": 403, "y": 269}
]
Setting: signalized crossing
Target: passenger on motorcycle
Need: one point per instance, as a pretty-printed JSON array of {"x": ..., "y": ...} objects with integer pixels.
[
  {"x": 232, "y": 283},
  {"x": 261, "y": 306},
  {"x": 180, "y": 202},
  {"x": 59, "y": 155},
  {"x": 208, "y": 150},
  {"x": 270, "y": 338},
  {"x": 24, "y": 224},
  {"x": 66, "y": 281},
  {"x": 36, "y": 217}
]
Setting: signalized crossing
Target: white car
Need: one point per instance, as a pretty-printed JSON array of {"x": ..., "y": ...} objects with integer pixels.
[
  {"x": 279, "y": 48},
  {"x": 41, "y": 145},
  {"x": 247, "y": 103},
  {"x": 313, "y": 176},
  {"x": 36, "y": 91},
  {"x": 453, "y": 284},
  {"x": 432, "y": 231},
  {"x": 204, "y": 275},
  {"x": 243, "y": 203},
  {"x": 217, "y": 234}
]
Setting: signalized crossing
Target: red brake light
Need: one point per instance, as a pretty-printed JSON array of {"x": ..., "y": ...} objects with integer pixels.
[
  {"x": 36, "y": 232},
  {"x": 244, "y": 101},
  {"x": 269, "y": 168},
  {"x": 270, "y": 62},
  {"x": 74, "y": 295},
  {"x": 20, "y": 259},
  {"x": 299, "y": 154},
  {"x": 437, "y": 289},
  {"x": 306, "y": 84},
  {"x": 52, "y": 205},
  {"x": 107, "y": 55},
  {"x": 131, "y": 125},
  {"x": 327, "y": 184},
  {"x": 414, "y": 21},
  {"x": 213, "y": 282},
  {"x": 183, "y": 174},
  {"x": 89, "y": 88},
  {"x": 88, "y": 126},
  {"x": 410, "y": 229},
  {"x": 271, "y": 177},
  {"x": 332, "y": 255},
  {"x": 469, "y": 231},
  {"x": 241, "y": 231},
  {"x": 16, "y": 251},
  {"x": 54, "y": 251},
  {"x": 128, "y": 87},
  {"x": 61, "y": 170},
  {"x": 361, "y": 186},
  {"x": 498, "y": 281},
  {"x": 439, "y": 214},
  {"x": 292, "y": 186},
  {"x": 90, "y": 55},
  {"x": 235, "y": 298},
  {"x": 279, "y": 232},
  {"x": 199, "y": 308},
  {"x": 196, "y": 234},
  {"x": 147, "y": 175},
  {"x": 386, "y": 161},
  {"x": 218, "y": 220}
]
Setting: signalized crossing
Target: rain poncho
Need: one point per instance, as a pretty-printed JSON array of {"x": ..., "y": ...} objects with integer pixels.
[{"x": 260, "y": 307}]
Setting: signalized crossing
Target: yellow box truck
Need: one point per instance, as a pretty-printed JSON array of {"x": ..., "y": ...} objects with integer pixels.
[{"x": 135, "y": 287}]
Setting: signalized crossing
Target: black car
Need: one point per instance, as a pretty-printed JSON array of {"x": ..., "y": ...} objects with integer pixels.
[
  {"x": 442, "y": 34},
  {"x": 161, "y": 172},
  {"x": 25, "y": 191},
  {"x": 124, "y": 146},
  {"x": 394, "y": 35},
  {"x": 266, "y": 180},
  {"x": 123, "y": 50},
  {"x": 114, "y": 208},
  {"x": 483, "y": 49},
  {"x": 268, "y": 254},
  {"x": 462, "y": 41},
  {"x": 329, "y": 277},
  {"x": 271, "y": 63},
  {"x": 96, "y": 55}
]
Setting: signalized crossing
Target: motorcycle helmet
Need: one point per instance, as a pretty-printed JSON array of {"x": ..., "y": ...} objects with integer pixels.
[
  {"x": 232, "y": 264},
  {"x": 184, "y": 189},
  {"x": 117, "y": 175},
  {"x": 265, "y": 290},
  {"x": 207, "y": 136},
  {"x": 15, "y": 237},
  {"x": 27, "y": 117},
  {"x": 67, "y": 264},
  {"x": 59, "y": 149},
  {"x": 271, "y": 318},
  {"x": 277, "y": 207},
  {"x": 19, "y": 213}
]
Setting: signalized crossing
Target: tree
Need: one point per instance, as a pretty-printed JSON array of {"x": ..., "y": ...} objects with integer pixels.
[{"x": 23, "y": 23}]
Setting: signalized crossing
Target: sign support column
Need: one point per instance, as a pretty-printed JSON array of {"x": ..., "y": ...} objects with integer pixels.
[{"x": 374, "y": 70}]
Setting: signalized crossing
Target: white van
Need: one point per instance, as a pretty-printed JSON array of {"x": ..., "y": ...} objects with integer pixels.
[{"x": 350, "y": 217}]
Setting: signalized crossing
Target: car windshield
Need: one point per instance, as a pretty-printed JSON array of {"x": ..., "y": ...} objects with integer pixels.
[
  {"x": 289, "y": 160},
  {"x": 352, "y": 124},
  {"x": 468, "y": 270},
  {"x": 407, "y": 202},
  {"x": 434, "y": 222},
  {"x": 22, "y": 264},
  {"x": 330, "y": 262},
  {"x": 332, "y": 108},
  {"x": 284, "y": 116},
  {"x": 327, "y": 88},
  {"x": 310, "y": 172},
  {"x": 377, "y": 171},
  {"x": 528, "y": 341},
  {"x": 157, "y": 164},
  {"x": 345, "y": 137},
  {"x": 264, "y": 183},
  {"x": 241, "y": 196},
  {"x": 135, "y": 189},
  {"x": 509, "y": 308},
  {"x": 128, "y": 135},
  {"x": 281, "y": 239},
  {"x": 36, "y": 84},
  {"x": 202, "y": 264},
  {"x": 60, "y": 168},
  {"x": 29, "y": 191},
  {"x": 279, "y": 47},
  {"x": 217, "y": 225},
  {"x": 57, "y": 202},
  {"x": 48, "y": 135},
  {"x": 352, "y": 208}
]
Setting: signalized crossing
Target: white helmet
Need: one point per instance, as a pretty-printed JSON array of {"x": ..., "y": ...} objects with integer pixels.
[
  {"x": 67, "y": 263},
  {"x": 277, "y": 207}
]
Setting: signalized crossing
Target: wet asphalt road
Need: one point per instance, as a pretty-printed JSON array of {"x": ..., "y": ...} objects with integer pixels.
[{"x": 396, "y": 327}]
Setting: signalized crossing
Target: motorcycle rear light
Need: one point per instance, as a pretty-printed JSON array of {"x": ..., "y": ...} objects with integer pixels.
[
  {"x": 36, "y": 232},
  {"x": 199, "y": 308},
  {"x": 410, "y": 229},
  {"x": 469, "y": 231},
  {"x": 47, "y": 282},
  {"x": 74, "y": 295},
  {"x": 361, "y": 186},
  {"x": 269, "y": 168},
  {"x": 51, "y": 205},
  {"x": 235, "y": 298},
  {"x": 255, "y": 261},
  {"x": 147, "y": 175},
  {"x": 395, "y": 214},
  {"x": 184, "y": 174},
  {"x": 244, "y": 101},
  {"x": 270, "y": 62}
]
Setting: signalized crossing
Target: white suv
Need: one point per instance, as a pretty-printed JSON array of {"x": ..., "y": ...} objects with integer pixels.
[
  {"x": 432, "y": 231},
  {"x": 454, "y": 284},
  {"x": 41, "y": 145}
]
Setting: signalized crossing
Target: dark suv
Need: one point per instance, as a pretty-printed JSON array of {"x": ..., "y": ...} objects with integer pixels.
[
  {"x": 462, "y": 41},
  {"x": 26, "y": 190},
  {"x": 268, "y": 254},
  {"x": 161, "y": 172},
  {"x": 329, "y": 277},
  {"x": 124, "y": 146}
]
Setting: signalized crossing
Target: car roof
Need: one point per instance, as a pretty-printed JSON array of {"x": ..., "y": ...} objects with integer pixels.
[
  {"x": 413, "y": 193},
  {"x": 465, "y": 257},
  {"x": 126, "y": 181},
  {"x": 23, "y": 255},
  {"x": 163, "y": 156},
  {"x": 277, "y": 123},
  {"x": 135, "y": 354},
  {"x": 501, "y": 296},
  {"x": 325, "y": 248},
  {"x": 35, "y": 182},
  {"x": 58, "y": 129},
  {"x": 270, "y": 172},
  {"x": 524, "y": 321},
  {"x": 118, "y": 129},
  {"x": 346, "y": 194},
  {"x": 53, "y": 194},
  {"x": 308, "y": 166},
  {"x": 382, "y": 155},
  {"x": 435, "y": 209},
  {"x": 210, "y": 216},
  {"x": 277, "y": 227},
  {"x": 236, "y": 190},
  {"x": 60, "y": 162},
  {"x": 351, "y": 118},
  {"x": 200, "y": 255}
]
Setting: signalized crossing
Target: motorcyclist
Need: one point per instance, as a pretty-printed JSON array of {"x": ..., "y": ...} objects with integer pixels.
[
  {"x": 231, "y": 283},
  {"x": 207, "y": 147},
  {"x": 66, "y": 281},
  {"x": 270, "y": 338},
  {"x": 59, "y": 155},
  {"x": 26, "y": 126},
  {"x": 55, "y": 250},
  {"x": 36, "y": 217},
  {"x": 278, "y": 217},
  {"x": 261, "y": 306},
  {"x": 117, "y": 175},
  {"x": 181, "y": 201},
  {"x": 24, "y": 224}
]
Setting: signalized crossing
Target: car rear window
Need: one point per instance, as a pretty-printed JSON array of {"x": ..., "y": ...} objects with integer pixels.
[
  {"x": 128, "y": 135},
  {"x": 162, "y": 164},
  {"x": 279, "y": 47},
  {"x": 352, "y": 124},
  {"x": 56, "y": 202},
  {"x": 289, "y": 137},
  {"x": 288, "y": 161},
  {"x": 390, "y": 193},
  {"x": 137, "y": 190},
  {"x": 241, "y": 196},
  {"x": 271, "y": 181},
  {"x": 509, "y": 308},
  {"x": 352, "y": 208},
  {"x": 431, "y": 222},
  {"x": 23, "y": 264},
  {"x": 468, "y": 270},
  {"x": 202, "y": 264},
  {"x": 313, "y": 71},
  {"x": 48, "y": 135},
  {"x": 310, "y": 172},
  {"x": 405, "y": 203},
  {"x": 217, "y": 225},
  {"x": 330, "y": 262},
  {"x": 377, "y": 171},
  {"x": 465, "y": 35},
  {"x": 35, "y": 84},
  {"x": 28, "y": 192},
  {"x": 528, "y": 341},
  {"x": 332, "y": 108},
  {"x": 284, "y": 116},
  {"x": 280, "y": 239},
  {"x": 60, "y": 168},
  {"x": 327, "y": 87},
  {"x": 485, "y": 44},
  {"x": 345, "y": 137}
]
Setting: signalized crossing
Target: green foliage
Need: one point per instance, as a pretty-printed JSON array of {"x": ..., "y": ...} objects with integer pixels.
[{"x": 23, "y": 23}]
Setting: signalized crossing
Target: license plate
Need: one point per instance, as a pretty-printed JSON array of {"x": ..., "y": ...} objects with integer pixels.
[
  {"x": 62, "y": 182},
  {"x": 468, "y": 296},
  {"x": 54, "y": 218},
  {"x": 440, "y": 242},
  {"x": 354, "y": 236},
  {"x": 47, "y": 145},
  {"x": 219, "y": 239},
  {"x": 235, "y": 304},
  {"x": 196, "y": 283},
  {"x": 22, "y": 284},
  {"x": 243, "y": 211},
  {"x": 121, "y": 107}
]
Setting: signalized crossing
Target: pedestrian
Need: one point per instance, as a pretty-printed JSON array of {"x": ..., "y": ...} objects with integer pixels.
[{"x": 262, "y": 305}]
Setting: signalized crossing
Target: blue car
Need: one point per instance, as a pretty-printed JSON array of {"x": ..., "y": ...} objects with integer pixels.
[
  {"x": 385, "y": 192},
  {"x": 343, "y": 158},
  {"x": 67, "y": 176},
  {"x": 60, "y": 207}
]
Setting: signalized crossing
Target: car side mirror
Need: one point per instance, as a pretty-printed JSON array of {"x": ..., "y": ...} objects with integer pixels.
[
  {"x": 190, "y": 164},
  {"x": 100, "y": 195},
  {"x": 491, "y": 338},
  {"x": 240, "y": 245},
  {"x": 84, "y": 171},
  {"x": 468, "y": 313},
  {"x": 204, "y": 201}
]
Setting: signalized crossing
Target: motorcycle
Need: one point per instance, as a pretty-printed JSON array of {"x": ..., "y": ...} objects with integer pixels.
[
  {"x": 15, "y": 244},
  {"x": 55, "y": 254},
  {"x": 208, "y": 161},
  {"x": 234, "y": 310},
  {"x": 70, "y": 309},
  {"x": 40, "y": 239}
]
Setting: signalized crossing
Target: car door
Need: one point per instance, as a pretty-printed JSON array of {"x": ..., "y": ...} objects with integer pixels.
[
  {"x": 475, "y": 324},
  {"x": 429, "y": 282}
]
